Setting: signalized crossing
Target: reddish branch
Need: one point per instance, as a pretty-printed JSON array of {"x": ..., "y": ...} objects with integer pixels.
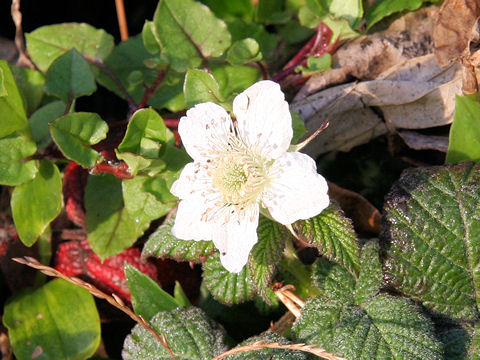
[{"x": 149, "y": 91}]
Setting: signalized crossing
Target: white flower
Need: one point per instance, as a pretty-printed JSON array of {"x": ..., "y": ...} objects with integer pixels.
[{"x": 240, "y": 168}]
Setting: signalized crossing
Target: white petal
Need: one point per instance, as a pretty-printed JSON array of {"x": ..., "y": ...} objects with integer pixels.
[
  {"x": 188, "y": 224},
  {"x": 194, "y": 180},
  {"x": 264, "y": 118},
  {"x": 206, "y": 127},
  {"x": 235, "y": 238},
  {"x": 297, "y": 191}
]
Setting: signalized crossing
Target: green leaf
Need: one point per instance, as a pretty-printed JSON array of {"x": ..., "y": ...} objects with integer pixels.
[
  {"x": 74, "y": 133},
  {"x": 12, "y": 108},
  {"x": 110, "y": 227},
  {"x": 432, "y": 221},
  {"x": 456, "y": 340},
  {"x": 234, "y": 79},
  {"x": 47, "y": 43},
  {"x": 299, "y": 128},
  {"x": 148, "y": 298},
  {"x": 14, "y": 170},
  {"x": 266, "y": 254},
  {"x": 163, "y": 244},
  {"x": 371, "y": 277},
  {"x": 56, "y": 321},
  {"x": 336, "y": 283},
  {"x": 30, "y": 83},
  {"x": 70, "y": 77},
  {"x": 40, "y": 120},
  {"x": 145, "y": 134},
  {"x": 180, "y": 296},
  {"x": 190, "y": 335},
  {"x": 268, "y": 337},
  {"x": 241, "y": 29},
  {"x": 226, "y": 287},
  {"x": 223, "y": 8},
  {"x": 332, "y": 233},
  {"x": 316, "y": 64},
  {"x": 385, "y": 8},
  {"x": 244, "y": 51},
  {"x": 36, "y": 203},
  {"x": 188, "y": 32},
  {"x": 385, "y": 327},
  {"x": 199, "y": 87},
  {"x": 464, "y": 139},
  {"x": 352, "y": 10}
]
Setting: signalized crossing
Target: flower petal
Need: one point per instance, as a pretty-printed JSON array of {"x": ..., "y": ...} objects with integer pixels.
[
  {"x": 188, "y": 222},
  {"x": 206, "y": 127},
  {"x": 194, "y": 180},
  {"x": 297, "y": 191},
  {"x": 236, "y": 237},
  {"x": 264, "y": 118}
]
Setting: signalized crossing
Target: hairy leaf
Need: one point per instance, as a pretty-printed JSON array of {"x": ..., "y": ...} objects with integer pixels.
[
  {"x": 433, "y": 225},
  {"x": 371, "y": 278},
  {"x": 189, "y": 333}
]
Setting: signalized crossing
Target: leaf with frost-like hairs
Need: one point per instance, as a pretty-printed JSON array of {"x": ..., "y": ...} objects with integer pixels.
[
  {"x": 163, "y": 244},
  {"x": 433, "y": 226},
  {"x": 332, "y": 233},
  {"x": 189, "y": 332},
  {"x": 227, "y": 287}
]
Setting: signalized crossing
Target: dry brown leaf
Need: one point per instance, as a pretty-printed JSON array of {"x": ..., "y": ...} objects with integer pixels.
[
  {"x": 453, "y": 29},
  {"x": 419, "y": 141}
]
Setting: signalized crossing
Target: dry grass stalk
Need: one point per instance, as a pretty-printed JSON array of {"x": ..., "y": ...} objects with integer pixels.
[
  {"x": 113, "y": 300},
  {"x": 293, "y": 347},
  {"x": 291, "y": 301}
]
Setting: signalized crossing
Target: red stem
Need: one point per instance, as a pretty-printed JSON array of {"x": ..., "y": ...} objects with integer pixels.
[
  {"x": 151, "y": 89},
  {"x": 120, "y": 170}
]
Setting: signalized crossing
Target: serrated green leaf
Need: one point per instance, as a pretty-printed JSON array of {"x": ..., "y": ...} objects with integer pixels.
[
  {"x": 40, "y": 120},
  {"x": 47, "y": 43},
  {"x": 163, "y": 244},
  {"x": 265, "y": 255},
  {"x": 384, "y": 8},
  {"x": 432, "y": 220},
  {"x": 456, "y": 340},
  {"x": 148, "y": 298},
  {"x": 244, "y": 51},
  {"x": 464, "y": 139},
  {"x": 188, "y": 32},
  {"x": 12, "y": 108},
  {"x": 36, "y": 203},
  {"x": 30, "y": 83},
  {"x": 335, "y": 281},
  {"x": 268, "y": 337},
  {"x": 385, "y": 327},
  {"x": 227, "y": 287},
  {"x": 56, "y": 321},
  {"x": 332, "y": 233},
  {"x": 200, "y": 86},
  {"x": 371, "y": 276},
  {"x": 70, "y": 77},
  {"x": 145, "y": 134},
  {"x": 74, "y": 133},
  {"x": 110, "y": 227},
  {"x": 234, "y": 79},
  {"x": 14, "y": 170},
  {"x": 190, "y": 335}
]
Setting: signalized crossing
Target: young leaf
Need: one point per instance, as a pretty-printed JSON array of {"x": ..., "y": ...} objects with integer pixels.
[
  {"x": 241, "y": 29},
  {"x": 299, "y": 128},
  {"x": 148, "y": 298},
  {"x": 371, "y": 277},
  {"x": 266, "y": 254},
  {"x": 464, "y": 139},
  {"x": 385, "y": 327},
  {"x": 12, "y": 109},
  {"x": 189, "y": 32},
  {"x": 332, "y": 233},
  {"x": 75, "y": 132},
  {"x": 432, "y": 222},
  {"x": 200, "y": 86},
  {"x": 336, "y": 283},
  {"x": 30, "y": 83},
  {"x": 189, "y": 333},
  {"x": 387, "y": 7},
  {"x": 180, "y": 296},
  {"x": 56, "y": 321},
  {"x": 70, "y": 77},
  {"x": 244, "y": 51},
  {"x": 232, "y": 80},
  {"x": 36, "y": 203},
  {"x": 47, "y": 43},
  {"x": 163, "y": 244},
  {"x": 226, "y": 287},
  {"x": 14, "y": 170},
  {"x": 40, "y": 120},
  {"x": 110, "y": 227}
]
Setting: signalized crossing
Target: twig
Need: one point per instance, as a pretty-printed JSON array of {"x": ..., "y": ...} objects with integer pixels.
[
  {"x": 122, "y": 19},
  {"x": 113, "y": 300},
  {"x": 291, "y": 301},
  {"x": 293, "y": 347},
  {"x": 23, "y": 59},
  {"x": 152, "y": 88}
]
